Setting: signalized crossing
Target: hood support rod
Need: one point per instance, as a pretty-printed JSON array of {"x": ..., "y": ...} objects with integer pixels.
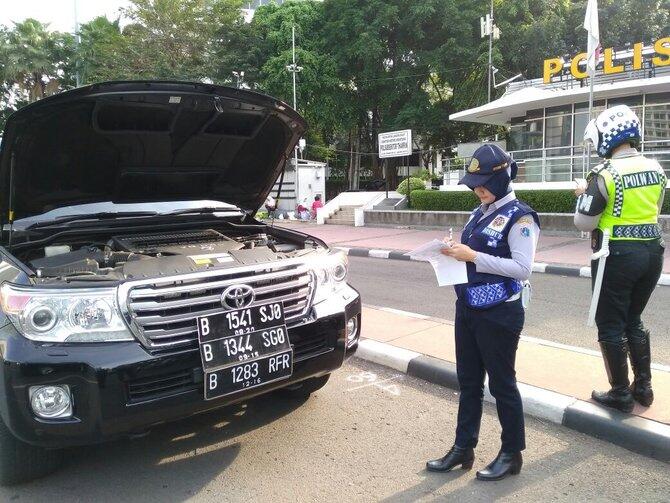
[{"x": 10, "y": 205}]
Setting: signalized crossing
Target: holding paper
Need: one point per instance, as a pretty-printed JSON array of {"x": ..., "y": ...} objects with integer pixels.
[{"x": 448, "y": 270}]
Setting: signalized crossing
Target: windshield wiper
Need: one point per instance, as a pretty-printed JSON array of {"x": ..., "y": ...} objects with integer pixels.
[
  {"x": 92, "y": 216},
  {"x": 207, "y": 210}
]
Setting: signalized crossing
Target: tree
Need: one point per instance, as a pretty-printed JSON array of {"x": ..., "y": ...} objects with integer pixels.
[
  {"x": 175, "y": 39},
  {"x": 101, "y": 50},
  {"x": 32, "y": 59}
]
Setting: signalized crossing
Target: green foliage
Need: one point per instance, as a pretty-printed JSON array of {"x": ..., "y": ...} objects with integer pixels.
[
  {"x": 425, "y": 175},
  {"x": 436, "y": 200},
  {"x": 415, "y": 184},
  {"x": 542, "y": 201},
  {"x": 367, "y": 66},
  {"x": 175, "y": 39},
  {"x": 33, "y": 59}
]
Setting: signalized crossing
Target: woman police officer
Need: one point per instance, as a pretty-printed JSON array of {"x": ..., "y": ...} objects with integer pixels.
[{"x": 498, "y": 243}]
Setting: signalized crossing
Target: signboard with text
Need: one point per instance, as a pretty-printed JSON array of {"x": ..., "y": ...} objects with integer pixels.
[
  {"x": 612, "y": 62},
  {"x": 395, "y": 144}
]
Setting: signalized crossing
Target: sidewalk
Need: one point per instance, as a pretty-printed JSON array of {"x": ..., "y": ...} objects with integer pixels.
[
  {"x": 555, "y": 380},
  {"x": 553, "y": 250}
]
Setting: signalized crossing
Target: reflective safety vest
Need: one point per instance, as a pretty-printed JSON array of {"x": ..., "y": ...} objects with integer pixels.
[{"x": 634, "y": 187}]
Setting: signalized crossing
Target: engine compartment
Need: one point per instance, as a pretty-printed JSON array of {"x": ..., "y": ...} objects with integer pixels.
[{"x": 147, "y": 255}]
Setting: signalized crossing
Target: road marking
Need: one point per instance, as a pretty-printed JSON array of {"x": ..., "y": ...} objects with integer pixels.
[{"x": 372, "y": 380}]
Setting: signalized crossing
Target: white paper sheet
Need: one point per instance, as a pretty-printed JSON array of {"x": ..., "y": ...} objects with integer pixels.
[{"x": 448, "y": 270}]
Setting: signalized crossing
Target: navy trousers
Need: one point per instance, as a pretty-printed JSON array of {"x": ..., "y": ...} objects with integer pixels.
[{"x": 486, "y": 343}]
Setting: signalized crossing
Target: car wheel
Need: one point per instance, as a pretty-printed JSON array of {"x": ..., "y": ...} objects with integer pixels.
[
  {"x": 306, "y": 387},
  {"x": 22, "y": 462}
]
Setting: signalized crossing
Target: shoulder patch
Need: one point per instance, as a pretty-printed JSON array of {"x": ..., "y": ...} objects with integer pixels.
[
  {"x": 526, "y": 220},
  {"x": 525, "y": 232}
]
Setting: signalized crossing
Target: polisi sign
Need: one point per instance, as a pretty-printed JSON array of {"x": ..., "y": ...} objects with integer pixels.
[{"x": 661, "y": 57}]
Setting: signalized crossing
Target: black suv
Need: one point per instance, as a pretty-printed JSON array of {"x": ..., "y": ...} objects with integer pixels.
[{"x": 136, "y": 285}]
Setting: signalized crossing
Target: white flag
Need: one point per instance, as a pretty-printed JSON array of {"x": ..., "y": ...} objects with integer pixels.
[{"x": 591, "y": 26}]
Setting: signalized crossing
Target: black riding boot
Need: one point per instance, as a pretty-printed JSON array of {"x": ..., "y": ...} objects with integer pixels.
[
  {"x": 616, "y": 364},
  {"x": 640, "y": 360},
  {"x": 505, "y": 463},
  {"x": 456, "y": 456}
]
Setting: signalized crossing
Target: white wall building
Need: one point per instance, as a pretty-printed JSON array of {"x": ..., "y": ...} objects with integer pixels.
[{"x": 546, "y": 117}]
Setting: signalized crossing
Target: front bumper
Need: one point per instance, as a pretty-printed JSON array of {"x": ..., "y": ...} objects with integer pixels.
[{"x": 121, "y": 389}]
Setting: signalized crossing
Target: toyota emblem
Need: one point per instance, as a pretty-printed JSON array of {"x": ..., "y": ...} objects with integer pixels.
[{"x": 237, "y": 297}]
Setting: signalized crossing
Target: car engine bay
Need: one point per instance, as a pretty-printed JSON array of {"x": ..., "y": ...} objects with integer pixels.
[{"x": 147, "y": 255}]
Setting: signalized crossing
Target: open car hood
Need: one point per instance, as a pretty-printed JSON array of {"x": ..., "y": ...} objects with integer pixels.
[{"x": 130, "y": 142}]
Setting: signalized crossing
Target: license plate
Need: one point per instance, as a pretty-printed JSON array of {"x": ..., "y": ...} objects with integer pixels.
[
  {"x": 248, "y": 375},
  {"x": 242, "y": 335}
]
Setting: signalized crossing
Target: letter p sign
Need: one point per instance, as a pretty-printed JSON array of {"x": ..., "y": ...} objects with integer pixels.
[{"x": 552, "y": 66}]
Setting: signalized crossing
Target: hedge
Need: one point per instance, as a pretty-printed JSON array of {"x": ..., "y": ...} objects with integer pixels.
[
  {"x": 542, "y": 201},
  {"x": 414, "y": 183}
]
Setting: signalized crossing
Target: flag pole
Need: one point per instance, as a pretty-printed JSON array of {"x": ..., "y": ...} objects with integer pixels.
[
  {"x": 591, "y": 25},
  {"x": 586, "y": 163}
]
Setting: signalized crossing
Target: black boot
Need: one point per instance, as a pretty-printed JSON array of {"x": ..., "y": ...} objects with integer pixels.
[
  {"x": 505, "y": 463},
  {"x": 640, "y": 360},
  {"x": 616, "y": 364},
  {"x": 456, "y": 456}
]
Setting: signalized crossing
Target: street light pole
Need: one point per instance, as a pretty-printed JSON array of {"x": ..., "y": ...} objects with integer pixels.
[
  {"x": 490, "y": 50},
  {"x": 294, "y": 68}
]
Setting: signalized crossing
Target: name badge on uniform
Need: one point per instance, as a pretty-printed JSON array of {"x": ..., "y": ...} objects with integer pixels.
[{"x": 499, "y": 223}]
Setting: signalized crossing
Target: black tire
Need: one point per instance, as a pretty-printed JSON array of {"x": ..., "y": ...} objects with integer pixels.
[
  {"x": 306, "y": 387},
  {"x": 21, "y": 462}
]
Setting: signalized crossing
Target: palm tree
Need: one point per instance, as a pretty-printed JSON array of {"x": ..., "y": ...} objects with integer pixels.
[{"x": 32, "y": 59}]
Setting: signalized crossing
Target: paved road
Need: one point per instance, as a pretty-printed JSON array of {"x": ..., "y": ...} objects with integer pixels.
[
  {"x": 364, "y": 437},
  {"x": 557, "y": 313}
]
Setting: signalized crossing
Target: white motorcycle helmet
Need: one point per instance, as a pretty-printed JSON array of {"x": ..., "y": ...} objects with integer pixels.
[{"x": 613, "y": 127}]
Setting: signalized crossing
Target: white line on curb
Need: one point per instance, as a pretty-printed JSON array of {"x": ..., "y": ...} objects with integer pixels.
[
  {"x": 385, "y": 354},
  {"x": 537, "y": 402},
  {"x": 539, "y": 267},
  {"x": 404, "y": 313},
  {"x": 585, "y": 272},
  {"x": 379, "y": 253}
]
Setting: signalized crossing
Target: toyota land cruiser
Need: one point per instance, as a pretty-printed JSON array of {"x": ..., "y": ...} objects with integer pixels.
[{"x": 136, "y": 286}]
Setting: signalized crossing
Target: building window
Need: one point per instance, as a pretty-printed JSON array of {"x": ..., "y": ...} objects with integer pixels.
[
  {"x": 526, "y": 135},
  {"x": 657, "y": 125},
  {"x": 558, "y": 131}
]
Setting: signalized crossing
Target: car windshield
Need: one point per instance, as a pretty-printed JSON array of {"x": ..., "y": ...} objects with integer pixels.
[{"x": 163, "y": 208}]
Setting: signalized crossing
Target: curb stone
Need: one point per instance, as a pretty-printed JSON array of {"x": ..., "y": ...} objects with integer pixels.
[
  {"x": 637, "y": 434},
  {"x": 576, "y": 271}
]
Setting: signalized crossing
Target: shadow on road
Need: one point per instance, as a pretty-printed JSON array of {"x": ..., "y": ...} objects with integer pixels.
[{"x": 175, "y": 462}]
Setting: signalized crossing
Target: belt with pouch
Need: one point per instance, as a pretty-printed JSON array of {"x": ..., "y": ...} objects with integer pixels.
[{"x": 491, "y": 294}]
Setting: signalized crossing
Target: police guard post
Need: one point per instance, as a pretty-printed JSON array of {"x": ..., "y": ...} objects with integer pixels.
[
  {"x": 623, "y": 198},
  {"x": 498, "y": 243}
]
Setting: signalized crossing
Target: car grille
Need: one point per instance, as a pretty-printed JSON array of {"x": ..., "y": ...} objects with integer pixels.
[{"x": 163, "y": 312}]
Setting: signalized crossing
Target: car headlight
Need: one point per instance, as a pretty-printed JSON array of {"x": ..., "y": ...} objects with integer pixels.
[
  {"x": 64, "y": 315},
  {"x": 331, "y": 273}
]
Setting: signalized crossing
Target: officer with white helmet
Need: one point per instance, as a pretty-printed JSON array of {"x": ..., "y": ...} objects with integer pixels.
[{"x": 623, "y": 197}]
